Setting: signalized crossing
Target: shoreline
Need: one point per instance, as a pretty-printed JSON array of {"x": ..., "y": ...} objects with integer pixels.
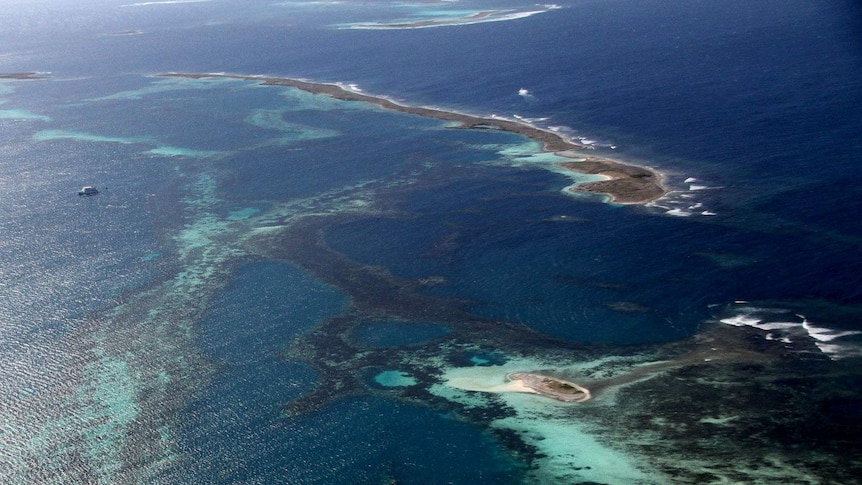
[{"x": 624, "y": 184}]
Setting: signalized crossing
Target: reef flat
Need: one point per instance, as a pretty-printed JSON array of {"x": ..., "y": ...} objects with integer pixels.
[{"x": 626, "y": 184}]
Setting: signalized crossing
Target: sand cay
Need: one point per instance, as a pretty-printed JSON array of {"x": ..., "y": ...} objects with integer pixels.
[
  {"x": 550, "y": 387},
  {"x": 21, "y": 75},
  {"x": 478, "y": 16},
  {"x": 625, "y": 184},
  {"x": 487, "y": 380}
]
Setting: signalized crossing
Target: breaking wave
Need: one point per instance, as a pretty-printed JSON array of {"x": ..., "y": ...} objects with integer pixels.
[
  {"x": 530, "y": 120},
  {"x": 788, "y": 327},
  {"x": 684, "y": 202}
]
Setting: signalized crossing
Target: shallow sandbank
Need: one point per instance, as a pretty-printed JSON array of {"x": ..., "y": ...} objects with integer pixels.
[{"x": 625, "y": 183}]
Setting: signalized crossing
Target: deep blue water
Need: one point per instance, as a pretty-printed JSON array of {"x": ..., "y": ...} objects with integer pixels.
[
  {"x": 395, "y": 333},
  {"x": 759, "y": 101},
  {"x": 517, "y": 265}
]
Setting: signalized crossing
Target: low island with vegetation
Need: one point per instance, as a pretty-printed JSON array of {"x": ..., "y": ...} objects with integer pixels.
[{"x": 624, "y": 183}]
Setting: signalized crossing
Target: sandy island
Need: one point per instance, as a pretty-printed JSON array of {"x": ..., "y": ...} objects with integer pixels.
[
  {"x": 21, "y": 75},
  {"x": 549, "y": 387},
  {"x": 432, "y": 23},
  {"x": 625, "y": 184}
]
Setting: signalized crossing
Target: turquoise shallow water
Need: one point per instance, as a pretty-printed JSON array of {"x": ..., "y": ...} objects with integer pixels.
[{"x": 276, "y": 287}]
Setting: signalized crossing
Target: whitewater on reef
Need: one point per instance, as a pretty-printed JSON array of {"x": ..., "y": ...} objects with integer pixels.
[{"x": 786, "y": 326}]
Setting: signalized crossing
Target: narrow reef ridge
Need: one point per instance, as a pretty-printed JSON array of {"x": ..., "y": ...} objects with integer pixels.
[
  {"x": 625, "y": 184},
  {"x": 551, "y": 387}
]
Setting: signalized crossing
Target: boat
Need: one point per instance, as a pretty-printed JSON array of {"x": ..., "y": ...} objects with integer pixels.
[{"x": 88, "y": 190}]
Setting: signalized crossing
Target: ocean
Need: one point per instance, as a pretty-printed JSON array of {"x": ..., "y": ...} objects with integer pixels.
[{"x": 274, "y": 286}]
